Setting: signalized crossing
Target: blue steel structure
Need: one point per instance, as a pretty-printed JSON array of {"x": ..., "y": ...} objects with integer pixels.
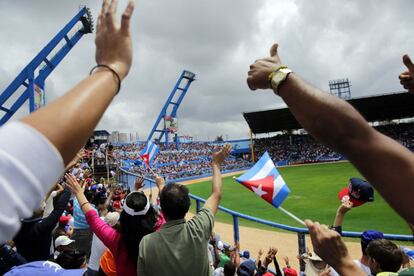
[
  {"x": 33, "y": 76},
  {"x": 171, "y": 107}
]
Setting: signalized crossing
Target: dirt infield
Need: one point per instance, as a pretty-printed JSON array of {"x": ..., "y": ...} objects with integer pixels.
[{"x": 254, "y": 239}]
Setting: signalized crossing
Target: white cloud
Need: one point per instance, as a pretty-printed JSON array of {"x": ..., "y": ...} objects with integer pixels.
[{"x": 217, "y": 40}]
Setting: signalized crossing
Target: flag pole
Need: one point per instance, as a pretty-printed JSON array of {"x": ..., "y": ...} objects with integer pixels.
[{"x": 291, "y": 215}]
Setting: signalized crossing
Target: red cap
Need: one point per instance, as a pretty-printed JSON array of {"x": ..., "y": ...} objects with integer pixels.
[
  {"x": 290, "y": 272},
  {"x": 64, "y": 219}
]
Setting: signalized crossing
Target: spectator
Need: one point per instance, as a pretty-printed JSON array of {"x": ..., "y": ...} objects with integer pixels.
[
  {"x": 380, "y": 159},
  {"x": 82, "y": 233},
  {"x": 98, "y": 247},
  {"x": 35, "y": 236},
  {"x": 62, "y": 244},
  {"x": 188, "y": 240},
  {"x": 384, "y": 256},
  {"x": 366, "y": 237},
  {"x": 71, "y": 259},
  {"x": 137, "y": 219},
  {"x": 407, "y": 77}
]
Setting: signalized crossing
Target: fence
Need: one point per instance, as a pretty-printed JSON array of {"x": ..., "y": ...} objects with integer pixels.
[{"x": 301, "y": 232}]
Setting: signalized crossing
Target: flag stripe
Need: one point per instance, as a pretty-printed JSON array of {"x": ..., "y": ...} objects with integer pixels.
[
  {"x": 260, "y": 170},
  {"x": 281, "y": 196}
]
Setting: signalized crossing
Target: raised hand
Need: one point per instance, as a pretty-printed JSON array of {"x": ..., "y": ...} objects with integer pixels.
[
  {"x": 73, "y": 184},
  {"x": 139, "y": 183},
  {"x": 345, "y": 207},
  {"x": 113, "y": 40},
  {"x": 159, "y": 181},
  {"x": 258, "y": 75},
  {"x": 218, "y": 157},
  {"x": 407, "y": 77}
]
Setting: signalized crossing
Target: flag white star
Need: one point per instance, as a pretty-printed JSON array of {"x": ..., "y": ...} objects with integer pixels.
[{"x": 259, "y": 190}]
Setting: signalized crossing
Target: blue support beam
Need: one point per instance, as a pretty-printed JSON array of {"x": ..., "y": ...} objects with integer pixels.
[
  {"x": 171, "y": 107},
  {"x": 44, "y": 65}
]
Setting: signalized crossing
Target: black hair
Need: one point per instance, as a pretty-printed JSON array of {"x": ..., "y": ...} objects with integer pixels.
[
  {"x": 386, "y": 253},
  {"x": 72, "y": 259},
  {"x": 175, "y": 201},
  {"x": 134, "y": 228},
  {"x": 229, "y": 269}
]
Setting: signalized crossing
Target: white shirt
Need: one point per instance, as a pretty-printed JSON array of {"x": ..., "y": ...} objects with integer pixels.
[
  {"x": 49, "y": 204},
  {"x": 97, "y": 249},
  {"x": 29, "y": 166}
]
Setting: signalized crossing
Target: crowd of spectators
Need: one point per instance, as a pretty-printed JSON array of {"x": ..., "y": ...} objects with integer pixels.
[
  {"x": 302, "y": 148},
  {"x": 191, "y": 159}
]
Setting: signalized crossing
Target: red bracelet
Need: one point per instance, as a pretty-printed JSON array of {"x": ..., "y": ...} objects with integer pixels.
[{"x": 84, "y": 204}]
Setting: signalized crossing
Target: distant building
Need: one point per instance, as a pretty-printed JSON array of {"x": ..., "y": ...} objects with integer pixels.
[
  {"x": 123, "y": 138},
  {"x": 99, "y": 136}
]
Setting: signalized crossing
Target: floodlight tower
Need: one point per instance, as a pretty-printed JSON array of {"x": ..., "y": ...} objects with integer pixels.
[
  {"x": 341, "y": 88},
  {"x": 32, "y": 78},
  {"x": 166, "y": 122}
]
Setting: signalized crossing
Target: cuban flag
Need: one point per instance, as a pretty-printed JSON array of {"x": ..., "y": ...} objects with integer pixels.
[
  {"x": 149, "y": 153},
  {"x": 264, "y": 180}
]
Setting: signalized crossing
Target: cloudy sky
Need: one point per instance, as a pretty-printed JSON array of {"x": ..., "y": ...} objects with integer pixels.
[{"x": 216, "y": 39}]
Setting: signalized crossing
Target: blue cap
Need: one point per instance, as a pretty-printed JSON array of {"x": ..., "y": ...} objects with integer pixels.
[
  {"x": 246, "y": 268},
  {"x": 370, "y": 235},
  {"x": 44, "y": 268},
  {"x": 246, "y": 254}
]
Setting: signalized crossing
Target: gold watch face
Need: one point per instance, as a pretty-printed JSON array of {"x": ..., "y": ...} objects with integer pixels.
[{"x": 278, "y": 78}]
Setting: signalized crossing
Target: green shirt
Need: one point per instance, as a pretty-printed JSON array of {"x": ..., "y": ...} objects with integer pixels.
[{"x": 179, "y": 248}]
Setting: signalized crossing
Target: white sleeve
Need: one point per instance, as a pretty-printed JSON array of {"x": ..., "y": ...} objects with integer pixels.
[{"x": 29, "y": 166}]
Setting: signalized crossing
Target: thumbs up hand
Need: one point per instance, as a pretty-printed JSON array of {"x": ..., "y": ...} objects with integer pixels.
[
  {"x": 258, "y": 75},
  {"x": 407, "y": 77}
]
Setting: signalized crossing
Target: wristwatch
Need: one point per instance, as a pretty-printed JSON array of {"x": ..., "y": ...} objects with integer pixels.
[{"x": 278, "y": 76}]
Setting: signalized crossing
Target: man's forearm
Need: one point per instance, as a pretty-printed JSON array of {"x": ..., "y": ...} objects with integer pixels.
[
  {"x": 214, "y": 199},
  {"x": 217, "y": 181},
  {"x": 328, "y": 118},
  {"x": 67, "y": 122}
]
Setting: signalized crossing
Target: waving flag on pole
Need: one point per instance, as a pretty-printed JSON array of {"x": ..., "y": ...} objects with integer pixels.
[
  {"x": 149, "y": 153},
  {"x": 264, "y": 180}
]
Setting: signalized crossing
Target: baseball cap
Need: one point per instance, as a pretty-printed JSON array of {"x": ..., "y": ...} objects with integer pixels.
[
  {"x": 246, "y": 268},
  {"x": 45, "y": 268},
  {"x": 245, "y": 254},
  {"x": 288, "y": 271},
  {"x": 370, "y": 235},
  {"x": 358, "y": 192},
  {"x": 64, "y": 219},
  {"x": 111, "y": 218},
  {"x": 62, "y": 240}
]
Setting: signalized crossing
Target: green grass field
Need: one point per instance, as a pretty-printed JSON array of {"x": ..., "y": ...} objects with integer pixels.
[{"x": 314, "y": 195}]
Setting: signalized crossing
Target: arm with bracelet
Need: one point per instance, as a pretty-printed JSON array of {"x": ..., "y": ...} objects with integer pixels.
[{"x": 35, "y": 150}]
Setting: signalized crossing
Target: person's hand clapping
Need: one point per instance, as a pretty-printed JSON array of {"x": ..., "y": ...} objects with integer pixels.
[{"x": 113, "y": 40}]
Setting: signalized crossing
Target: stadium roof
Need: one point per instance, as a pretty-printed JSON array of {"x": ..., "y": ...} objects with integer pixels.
[{"x": 373, "y": 108}]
